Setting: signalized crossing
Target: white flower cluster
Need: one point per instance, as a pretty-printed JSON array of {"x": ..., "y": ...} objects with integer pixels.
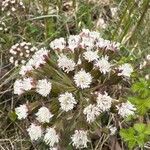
[
  {"x": 81, "y": 68},
  {"x": 35, "y": 132},
  {"x": 21, "y": 52},
  {"x": 66, "y": 64},
  {"x": 79, "y": 139},
  {"x": 86, "y": 40},
  {"x": 12, "y": 6},
  {"x": 83, "y": 79},
  {"x": 126, "y": 109},
  {"x": 91, "y": 55},
  {"x": 67, "y": 101},
  {"x": 43, "y": 87},
  {"x": 58, "y": 44},
  {"x": 51, "y": 137},
  {"x": 36, "y": 61},
  {"x": 103, "y": 65},
  {"x": 104, "y": 102},
  {"x": 22, "y": 85},
  {"x": 73, "y": 42},
  {"x": 22, "y": 111},
  {"x": 44, "y": 115},
  {"x": 91, "y": 112},
  {"x": 107, "y": 45},
  {"x": 126, "y": 70}
]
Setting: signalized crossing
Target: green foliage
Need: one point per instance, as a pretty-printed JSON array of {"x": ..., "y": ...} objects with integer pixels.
[
  {"x": 136, "y": 135},
  {"x": 12, "y": 116},
  {"x": 141, "y": 98},
  {"x": 142, "y": 88}
]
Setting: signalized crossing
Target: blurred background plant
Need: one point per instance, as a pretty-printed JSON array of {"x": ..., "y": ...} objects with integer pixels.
[{"x": 41, "y": 21}]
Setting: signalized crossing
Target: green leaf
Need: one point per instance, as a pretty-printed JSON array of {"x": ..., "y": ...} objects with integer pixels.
[
  {"x": 142, "y": 105},
  {"x": 12, "y": 116},
  {"x": 140, "y": 127},
  {"x": 142, "y": 87}
]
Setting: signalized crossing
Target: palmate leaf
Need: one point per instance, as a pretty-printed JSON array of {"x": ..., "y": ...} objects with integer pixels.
[
  {"x": 140, "y": 127},
  {"x": 136, "y": 135},
  {"x": 142, "y": 88},
  {"x": 142, "y": 105},
  {"x": 128, "y": 136}
]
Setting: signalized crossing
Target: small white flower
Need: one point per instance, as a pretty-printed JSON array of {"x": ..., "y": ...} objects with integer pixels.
[
  {"x": 18, "y": 87},
  {"x": 90, "y": 55},
  {"x": 101, "y": 23},
  {"x": 44, "y": 115},
  {"x": 83, "y": 79},
  {"x": 39, "y": 58},
  {"x": 103, "y": 65},
  {"x": 34, "y": 131},
  {"x": 27, "y": 84},
  {"x": 11, "y": 59},
  {"x": 126, "y": 70},
  {"x": 148, "y": 57},
  {"x": 112, "y": 130},
  {"x": 67, "y": 101},
  {"x": 143, "y": 64},
  {"x": 79, "y": 139},
  {"x": 43, "y": 87},
  {"x": 91, "y": 113},
  {"x": 104, "y": 102},
  {"x": 114, "y": 11},
  {"x": 107, "y": 45},
  {"x": 87, "y": 43},
  {"x": 58, "y": 44},
  {"x": 66, "y": 64},
  {"x": 126, "y": 109},
  {"x": 147, "y": 76},
  {"x": 51, "y": 137},
  {"x": 21, "y": 111},
  {"x": 73, "y": 41},
  {"x": 24, "y": 69}
]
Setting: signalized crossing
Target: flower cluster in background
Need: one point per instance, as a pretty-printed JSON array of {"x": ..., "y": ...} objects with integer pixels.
[
  {"x": 21, "y": 52},
  {"x": 11, "y": 6},
  {"x": 78, "y": 80}
]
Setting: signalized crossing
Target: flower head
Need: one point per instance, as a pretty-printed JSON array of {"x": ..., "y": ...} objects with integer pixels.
[
  {"x": 43, "y": 87},
  {"x": 104, "y": 102},
  {"x": 79, "y": 139},
  {"x": 39, "y": 58},
  {"x": 44, "y": 115},
  {"x": 112, "y": 130},
  {"x": 67, "y": 101},
  {"x": 126, "y": 70},
  {"x": 51, "y": 138},
  {"x": 27, "y": 84},
  {"x": 21, "y": 111},
  {"x": 103, "y": 65},
  {"x": 66, "y": 64},
  {"x": 34, "y": 131},
  {"x": 58, "y": 44},
  {"x": 91, "y": 55},
  {"x": 83, "y": 79},
  {"x": 126, "y": 109},
  {"x": 18, "y": 87},
  {"x": 91, "y": 113},
  {"x": 73, "y": 42}
]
